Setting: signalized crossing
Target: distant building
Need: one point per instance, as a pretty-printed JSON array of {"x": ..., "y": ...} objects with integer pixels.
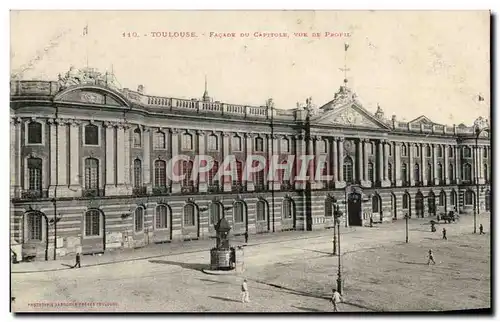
[{"x": 93, "y": 157}]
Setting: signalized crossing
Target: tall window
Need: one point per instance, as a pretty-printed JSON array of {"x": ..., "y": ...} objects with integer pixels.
[
  {"x": 259, "y": 175},
  {"x": 429, "y": 150},
  {"x": 159, "y": 140},
  {"x": 160, "y": 173},
  {"x": 285, "y": 145},
  {"x": 453, "y": 198},
  {"x": 259, "y": 144},
  {"x": 236, "y": 143},
  {"x": 137, "y": 173},
  {"x": 370, "y": 147},
  {"x": 137, "y": 138},
  {"x": 390, "y": 149},
  {"x": 287, "y": 207},
  {"x": 139, "y": 219},
  {"x": 187, "y": 141},
  {"x": 467, "y": 174},
  {"x": 324, "y": 146},
  {"x": 439, "y": 151},
  {"x": 416, "y": 172},
  {"x": 485, "y": 171},
  {"x": 238, "y": 175},
  {"x": 375, "y": 204},
  {"x": 34, "y": 174},
  {"x": 35, "y": 226},
  {"x": 406, "y": 201},
  {"x": 370, "y": 171},
  {"x": 91, "y": 173},
  {"x": 450, "y": 151},
  {"x": 261, "y": 210},
  {"x": 451, "y": 172},
  {"x": 34, "y": 133},
  {"x": 348, "y": 171},
  {"x": 404, "y": 173},
  {"x": 328, "y": 207},
  {"x": 440, "y": 171},
  {"x": 215, "y": 213},
  {"x": 485, "y": 152},
  {"x": 213, "y": 142},
  {"x": 189, "y": 215},
  {"x": 417, "y": 150},
  {"x": 429, "y": 173},
  {"x": 212, "y": 172},
  {"x": 92, "y": 223},
  {"x": 467, "y": 152},
  {"x": 442, "y": 199},
  {"x": 187, "y": 170},
  {"x": 238, "y": 212},
  {"x": 91, "y": 134},
  {"x": 404, "y": 152},
  {"x": 389, "y": 171},
  {"x": 469, "y": 197},
  {"x": 161, "y": 217}
]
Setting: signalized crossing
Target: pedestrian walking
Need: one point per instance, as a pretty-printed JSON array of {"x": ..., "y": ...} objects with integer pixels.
[
  {"x": 336, "y": 299},
  {"x": 444, "y": 234},
  {"x": 371, "y": 221},
  {"x": 431, "y": 258},
  {"x": 246, "y": 237},
  {"x": 481, "y": 229},
  {"x": 77, "y": 263},
  {"x": 245, "y": 296}
]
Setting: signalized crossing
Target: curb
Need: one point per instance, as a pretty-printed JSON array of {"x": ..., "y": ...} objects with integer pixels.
[{"x": 231, "y": 272}]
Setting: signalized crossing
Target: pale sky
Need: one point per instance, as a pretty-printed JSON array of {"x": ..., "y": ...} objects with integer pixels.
[{"x": 411, "y": 63}]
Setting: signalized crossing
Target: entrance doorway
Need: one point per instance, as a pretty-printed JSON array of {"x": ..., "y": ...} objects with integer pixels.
[
  {"x": 419, "y": 205},
  {"x": 354, "y": 209}
]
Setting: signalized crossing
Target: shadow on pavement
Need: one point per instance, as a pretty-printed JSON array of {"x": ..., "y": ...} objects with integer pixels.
[
  {"x": 307, "y": 309},
  {"x": 193, "y": 266},
  {"x": 414, "y": 263},
  {"x": 224, "y": 299},
  {"x": 67, "y": 265},
  {"x": 207, "y": 280}
]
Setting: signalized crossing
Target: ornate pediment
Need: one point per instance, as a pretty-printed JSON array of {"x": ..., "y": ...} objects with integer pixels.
[
  {"x": 351, "y": 115},
  {"x": 89, "y": 97},
  {"x": 422, "y": 120}
]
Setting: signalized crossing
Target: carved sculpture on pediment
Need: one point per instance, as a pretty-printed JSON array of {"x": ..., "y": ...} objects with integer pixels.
[
  {"x": 481, "y": 123},
  {"x": 343, "y": 96},
  {"x": 380, "y": 113},
  {"x": 88, "y": 76}
]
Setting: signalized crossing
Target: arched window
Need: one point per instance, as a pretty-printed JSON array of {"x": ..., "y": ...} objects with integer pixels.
[
  {"x": 187, "y": 170},
  {"x": 137, "y": 138},
  {"x": 348, "y": 170},
  {"x": 34, "y": 222},
  {"x": 160, "y": 173},
  {"x": 370, "y": 172},
  {"x": 259, "y": 144},
  {"x": 375, "y": 204},
  {"x": 329, "y": 207},
  {"x": 213, "y": 142},
  {"x": 287, "y": 207},
  {"x": 236, "y": 143},
  {"x": 187, "y": 142},
  {"x": 159, "y": 140},
  {"x": 451, "y": 172},
  {"x": 161, "y": 217},
  {"x": 212, "y": 172},
  {"x": 406, "y": 200},
  {"x": 139, "y": 219},
  {"x": 389, "y": 171},
  {"x": 469, "y": 197},
  {"x": 189, "y": 215},
  {"x": 419, "y": 204},
  {"x": 261, "y": 210},
  {"x": 91, "y": 174},
  {"x": 442, "y": 199},
  {"x": 34, "y": 133},
  {"x": 429, "y": 173},
  {"x": 285, "y": 145},
  {"x": 431, "y": 203},
  {"x": 416, "y": 172},
  {"x": 404, "y": 152},
  {"x": 467, "y": 174},
  {"x": 440, "y": 171},
  {"x": 92, "y": 223},
  {"x": 485, "y": 171},
  {"x": 404, "y": 173},
  {"x": 91, "y": 134},
  {"x": 467, "y": 152},
  {"x": 238, "y": 212},
  {"x": 34, "y": 174},
  {"x": 137, "y": 173},
  {"x": 453, "y": 198},
  {"x": 215, "y": 212}
]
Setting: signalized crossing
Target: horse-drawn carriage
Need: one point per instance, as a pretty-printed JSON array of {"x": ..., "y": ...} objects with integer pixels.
[{"x": 449, "y": 217}]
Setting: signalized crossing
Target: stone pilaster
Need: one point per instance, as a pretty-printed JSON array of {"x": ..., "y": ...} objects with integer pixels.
[
  {"x": 311, "y": 166},
  {"x": 176, "y": 185},
  {"x": 446, "y": 165},
  {"x": 110, "y": 157},
  {"x": 411, "y": 167},
  {"x": 15, "y": 154},
  {"x": 359, "y": 159},
  {"x": 423, "y": 166},
  {"x": 458, "y": 168},
  {"x": 74, "y": 160},
  {"x": 397, "y": 164},
  {"x": 341, "y": 180},
  {"x": 480, "y": 164},
  {"x": 227, "y": 184},
  {"x": 146, "y": 163},
  {"x": 386, "y": 182},
  {"x": 434, "y": 164},
  {"x": 248, "y": 151},
  {"x": 202, "y": 177},
  {"x": 277, "y": 184},
  {"x": 301, "y": 151},
  {"x": 366, "y": 181},
  {"x": 380, "y": 162},
  {"x": 62, "y": 189},
  {"x": 334, "y": 156}
]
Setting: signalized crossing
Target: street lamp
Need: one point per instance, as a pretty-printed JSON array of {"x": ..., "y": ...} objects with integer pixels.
[
  {"x": 338, "y": 214},
  {"x": 406, "y": 218},
  {"x": 478, "y": 133},
  {"x": 335, "y": 220}
]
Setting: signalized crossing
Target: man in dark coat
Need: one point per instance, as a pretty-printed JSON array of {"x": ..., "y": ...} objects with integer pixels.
[
  {"x": 444, "y": 234},
  {"x": 77, "y": 261}
]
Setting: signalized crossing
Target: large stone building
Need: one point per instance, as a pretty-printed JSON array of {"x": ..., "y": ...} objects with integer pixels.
[{"x": 88, "y": 166}]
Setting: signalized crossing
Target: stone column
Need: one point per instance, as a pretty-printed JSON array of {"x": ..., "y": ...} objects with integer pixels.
[
  {"x": 386, "y": 182},
  {"x": 445, "y": 166},
  {"x": 110, "y": 157},
  {"x": 227, "y": 184},
  {"x": 74, "y": 145},
  {"x": 249, "y": 137},
  {"x": 359, "y": 158},
  {"x": 176, "y": 186},
  {"x": 126, "y": 152},
  {"x": 380, "y": 162},
  {"x": 367, "y": 182},
  {"x": 434, "y": 164},
  {"x": 311, "y": 166},
  {"x": 120, "y": 155},
  {"x": 411, "y": 167},
  {"x": 481, "y": 166},
  {"x": 397, "y": 164},
  {"x": 458, "y": 168},
  {"x": 341, "y": 180},
  {"x": 202, "y": 177},
  {"x": 146, "y": 163},
  {"x": 335, "y": 158},
  {"x": 277, "y": 184},
  {"x": 300, "y": 151},
  {"x": 62, "y": 159},
  {"x": 15, "y": 153},
  {"x": 423, "y": 166}
]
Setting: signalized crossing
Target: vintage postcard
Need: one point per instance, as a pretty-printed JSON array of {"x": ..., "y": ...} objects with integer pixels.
[{"x": 250, "y": 161}]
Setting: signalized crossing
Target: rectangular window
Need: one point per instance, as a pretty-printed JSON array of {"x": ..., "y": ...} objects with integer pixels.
[
  {"x": 35, "y": 227},
  {"x": 92, "y": 223},
  {"x": 35, "y": 174},
  {"x": 187, "y": 142},
  {"x": 91, "y": 135},
  {"x": 159, "y": 140},
  {"x": 236, "y": 143}
]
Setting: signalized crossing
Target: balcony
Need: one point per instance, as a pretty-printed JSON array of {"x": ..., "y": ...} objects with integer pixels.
[
  {"x": 260, "y": 187},
  {"x": 34, "y": 194},
  {"x": 92, "y": 193},
  {"x": 237, "y": 187},
  {"x": 214, "y": 187},
  {"x": 286, "y": 186},
  {"x": 189, "y": 189},
  {"x": 405, "y": 183},
  {"x": 139, "y": 191},
  {"x": 161, "y": 190}
]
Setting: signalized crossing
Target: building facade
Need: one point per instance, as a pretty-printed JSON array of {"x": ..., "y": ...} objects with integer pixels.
[{"x": 89, "y": 163}]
